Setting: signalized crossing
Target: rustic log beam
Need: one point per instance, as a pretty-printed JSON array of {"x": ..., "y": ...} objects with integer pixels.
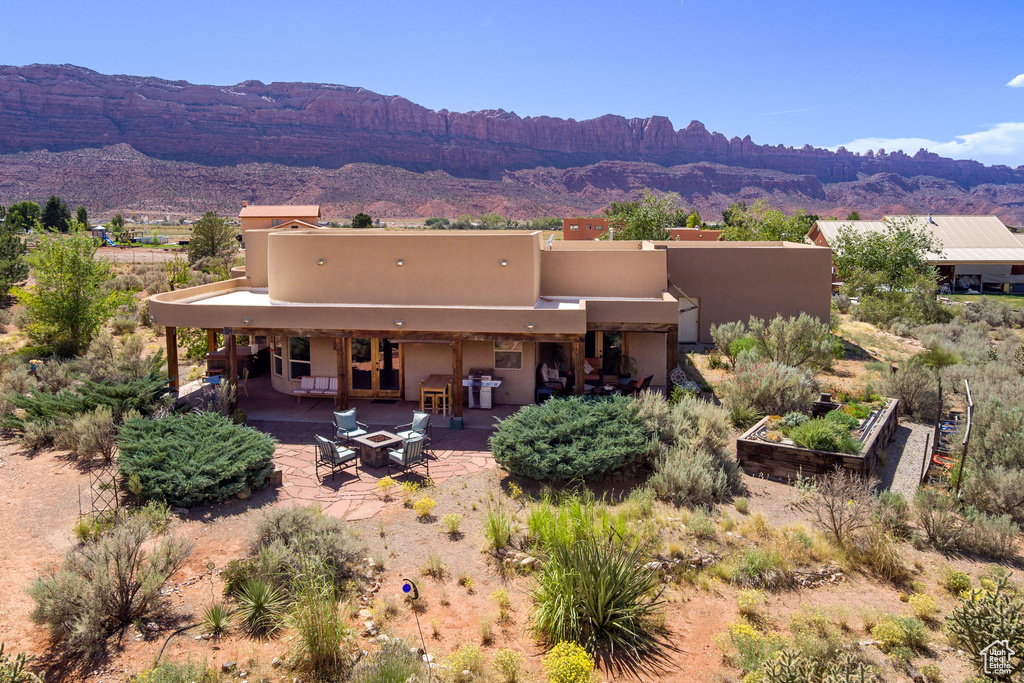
[{"x": 171, "y": 334}]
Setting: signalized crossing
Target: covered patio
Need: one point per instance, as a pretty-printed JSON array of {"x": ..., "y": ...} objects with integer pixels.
[{"x": 355, "y": 495}]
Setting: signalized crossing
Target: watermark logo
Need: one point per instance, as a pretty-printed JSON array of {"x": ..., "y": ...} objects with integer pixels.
[{"x": 996, "y": 658}]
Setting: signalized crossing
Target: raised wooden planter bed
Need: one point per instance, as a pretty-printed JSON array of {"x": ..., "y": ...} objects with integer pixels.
[{"x": 785, "y": 462}]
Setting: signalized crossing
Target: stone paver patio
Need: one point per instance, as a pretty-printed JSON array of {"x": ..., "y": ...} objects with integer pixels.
[{"x": 349, "y": 496}]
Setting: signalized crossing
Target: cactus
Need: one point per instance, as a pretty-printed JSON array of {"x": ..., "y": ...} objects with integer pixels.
[{"x": 985, "y": 616}]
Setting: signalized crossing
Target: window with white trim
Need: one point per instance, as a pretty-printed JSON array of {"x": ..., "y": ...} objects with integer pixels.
[
  {"x": 278, "y": 353},
  {"x": 574, "y": 227},
  {"x": 508, "y": 355}
]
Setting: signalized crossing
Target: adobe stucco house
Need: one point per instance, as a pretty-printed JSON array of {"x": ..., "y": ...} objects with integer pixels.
[
  {"x": 382, "y": 310},
  {"x": 261, "y": 217}
]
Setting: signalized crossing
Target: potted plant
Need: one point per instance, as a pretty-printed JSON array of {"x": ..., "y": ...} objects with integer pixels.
[{"x": 627, "y": 366}]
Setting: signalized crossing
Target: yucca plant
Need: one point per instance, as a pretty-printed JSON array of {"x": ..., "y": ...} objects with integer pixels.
[
  {"x": 216, "y": 619},
  {"x": 598, "y": 592},
  {"x": 261, "y": 607}
]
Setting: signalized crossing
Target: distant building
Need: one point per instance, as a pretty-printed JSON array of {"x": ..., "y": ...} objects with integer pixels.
[
  {"x": 694, "y": 235},
  {"x": 584, "y": 228},
  {"x": 978, "y": 252},
  {"x": 254, "y": 217}
]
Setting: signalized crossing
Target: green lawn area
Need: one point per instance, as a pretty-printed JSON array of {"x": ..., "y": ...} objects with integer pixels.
[{"x": 1015, "y": 300}]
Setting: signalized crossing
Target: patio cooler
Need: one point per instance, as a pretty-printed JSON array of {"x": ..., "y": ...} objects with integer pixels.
[{"x": 480, "y": 385}]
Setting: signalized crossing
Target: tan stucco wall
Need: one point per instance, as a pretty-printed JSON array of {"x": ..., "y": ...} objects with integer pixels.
[
  {"x": 603, "y": 272},
  {"x": 735, "y": 280},
  {"x": 423, "y": 360},
  {"x": 648, "y": 350},
  {"x": 256, "y": 257},
  {"x": 360, "y": 267}
]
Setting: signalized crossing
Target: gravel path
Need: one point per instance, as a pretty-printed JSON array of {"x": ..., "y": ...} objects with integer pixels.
[{"x": 904, "y": 459}]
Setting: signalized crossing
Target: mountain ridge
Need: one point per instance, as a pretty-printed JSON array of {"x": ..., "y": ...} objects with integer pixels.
[{"x": 67, "y": 107}]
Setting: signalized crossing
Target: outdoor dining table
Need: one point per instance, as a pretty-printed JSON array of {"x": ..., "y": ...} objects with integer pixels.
[
  {"x": 373, "y": 447},
  {"x": 436, "y": 387}
]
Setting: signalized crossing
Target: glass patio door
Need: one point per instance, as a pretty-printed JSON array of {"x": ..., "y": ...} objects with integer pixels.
[{"x": 376, "y": 367}]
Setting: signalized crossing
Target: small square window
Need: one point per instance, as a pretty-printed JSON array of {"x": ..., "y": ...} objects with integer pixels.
[
  {"x": 574, "y": 227},
  {"x": 508, "y": 355}
]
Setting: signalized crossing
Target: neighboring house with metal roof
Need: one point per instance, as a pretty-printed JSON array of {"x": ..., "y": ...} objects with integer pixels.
[
  {"x": 978, "y": 252},
  {"x": 262, "y": 217}
]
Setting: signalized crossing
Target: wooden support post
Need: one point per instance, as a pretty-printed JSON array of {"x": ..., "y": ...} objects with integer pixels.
[
  {"x": 231, "y": 371},
  {"x": 457, "y": 377},
  {"x": 671, "y": 356},
  {"x": 172, "y": 356},
  {"x": 577, "y": 366},
  {"x": 341, "y": 346},
  {"x": 211, "y": 341}
]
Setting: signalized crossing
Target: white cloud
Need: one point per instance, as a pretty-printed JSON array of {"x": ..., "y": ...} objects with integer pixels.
[
  {"x": 1017, "y": 82},
  {"x": 1002, "y": 143}
]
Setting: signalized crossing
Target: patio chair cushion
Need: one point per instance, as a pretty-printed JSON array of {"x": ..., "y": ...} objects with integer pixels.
[
  {"x": 306, "y": 385},
  {"x": 409, "y": 453},
  {"x": 330, "y": 453},
  {"x": 346, "y": 420},
  {"x": 420, "y": 421}
]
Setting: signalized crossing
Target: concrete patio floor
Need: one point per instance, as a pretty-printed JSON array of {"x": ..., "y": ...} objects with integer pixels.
[{"x": 350, "y": 495}]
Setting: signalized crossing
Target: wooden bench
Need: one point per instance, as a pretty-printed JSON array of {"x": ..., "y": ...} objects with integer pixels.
[{"x": 320, "y": 387}]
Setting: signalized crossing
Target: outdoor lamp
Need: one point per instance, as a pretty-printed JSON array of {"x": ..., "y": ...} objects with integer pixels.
[
  {"x": 398, "y": 323},
  {"x": 400, "y": 263},
  {"x": 246, "y": 321},
  {"x": 529, "y": 326},
  {"x": 504, "y": 263},
  {"x": 320, "y": 262}
]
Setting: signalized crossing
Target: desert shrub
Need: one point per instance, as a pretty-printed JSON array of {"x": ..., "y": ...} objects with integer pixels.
[
  {"x": 93, "y": 434},
  {"x": 195, "y": 459},
  {"x": 567, "y": 662},
  {"x": 925, "y": 607},
  {"x": 765, "y": 568},
  {"x": 178, "y": 672},
  {"x": 892, "y": 514},
  {"x": 841, "y": 302},
  {"x": 694, "y": 477},
  {"x": 914, "y": 386},
  {"x": 506, "y": 664},
  {"x": 750, "y": 603},
  {"x": 745, "y": 344},
  {"x": 17, "y": 380},
  {"x": 599, "y": 593},
  {"x": 724, "y": 335},
  {"x": 749, "y": 649},
  {"x": 792, "y": 666},
  {"x": 424, "y": 506},
  {"x": 451, "y": 523},
  {"x": 106, "y": 585},
  {"x": 970, "y": 341},
  {"x": 693, "y": 467},
  {"x": 216, "y": 619},
  {"x": 815, "y": 637},
  {"x": 876, "y": 549},
  {"x": 566, "y": 520},
  {"x": 893, "y": 632},
  {"x": 467, "y": 662},
  {"x": 715, "y": 361},
  {"x": 841, "y": 503},
  {"x": 567, "y": 439},
  {"x": 822, "y": 434},
  {"x": 936, "y": 515},
  {"x": 320, "y": 630},
  {"x": 956, "y": 581},
  {"x": 767, "y": 388},
  {"x": 992, "y": 536},
  {"x": 797, "y": 342},
  {"x": 54, "y": 375},
  {"x": 393, "y": 662},
  {"x": 986, "y": 616},
  {"x": 288, "y": 539},
  {"x": 996, "y": 490},
  {"x": 993, "y": 313}
]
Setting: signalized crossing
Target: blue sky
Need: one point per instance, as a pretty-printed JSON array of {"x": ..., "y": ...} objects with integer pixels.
[{"x": 867, "y": 74}]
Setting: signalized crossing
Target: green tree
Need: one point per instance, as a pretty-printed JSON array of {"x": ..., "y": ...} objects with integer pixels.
[
  {"x": 212, "y": 238},
  {"x": 362, "y": 220},
  {"x": 693, "y": 220},
  {"x": 70, "y": 301},
  {"x": 13, "y": 266},
  {"x": 647, "y": 219},
  {"x": 82, "y": 216},
  {"x": 117, "y": 222},
  {"x": 22, "y": 217},
  {"x": 853, "y": 216},
  {"x": 763, "y": 223},
  {"x": 56, "y": 215},
  {"x": 889, "y": 271}
]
